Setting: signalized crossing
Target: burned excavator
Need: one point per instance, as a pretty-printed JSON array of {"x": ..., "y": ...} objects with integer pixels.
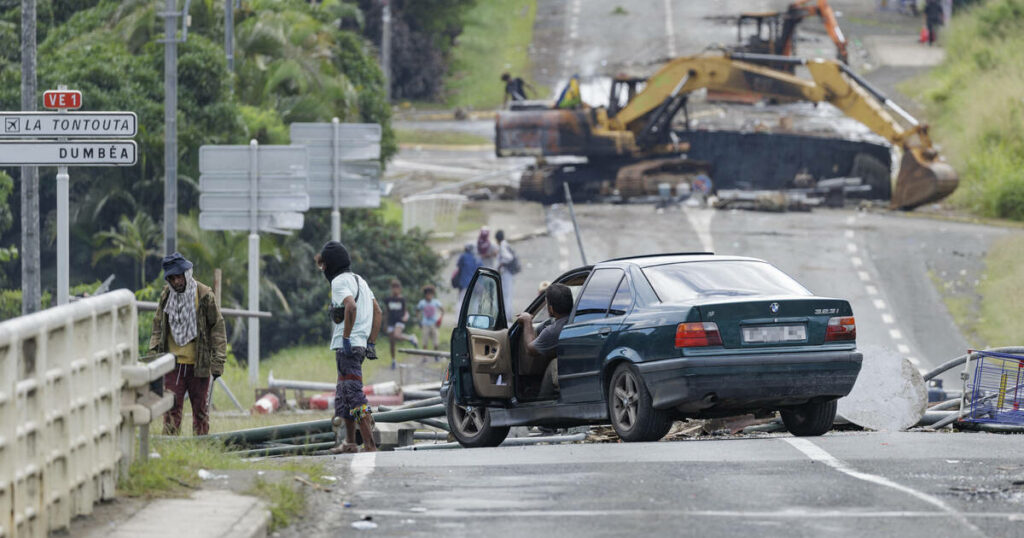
[
  {"x": 775, "y": 31},
  {"x": 620, "y": 149}
]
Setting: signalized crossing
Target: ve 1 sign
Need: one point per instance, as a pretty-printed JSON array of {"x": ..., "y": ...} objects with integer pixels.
[{"x": 62, "y": 99}]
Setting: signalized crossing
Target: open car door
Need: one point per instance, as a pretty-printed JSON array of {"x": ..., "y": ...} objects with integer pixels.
[{"x": 481, "y": 357}]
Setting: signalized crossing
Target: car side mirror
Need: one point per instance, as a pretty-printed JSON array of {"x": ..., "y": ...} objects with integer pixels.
[{"x": 479, "y": 321}]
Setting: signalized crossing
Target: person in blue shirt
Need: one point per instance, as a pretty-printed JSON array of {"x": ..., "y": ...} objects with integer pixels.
[
  {"x": 465, "y": 268},
  {"x": 431, "y": 314}
]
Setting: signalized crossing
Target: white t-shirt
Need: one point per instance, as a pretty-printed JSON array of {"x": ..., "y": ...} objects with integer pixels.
[{"x": 345, "y": 285}]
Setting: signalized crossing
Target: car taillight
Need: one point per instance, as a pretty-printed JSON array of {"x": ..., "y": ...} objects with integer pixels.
[
  {"x": 700, "y": 334},
  {"x": 841, "y": 329}
]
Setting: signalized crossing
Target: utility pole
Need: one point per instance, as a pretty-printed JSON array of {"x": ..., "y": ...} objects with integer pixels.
[
  {"x": 385, "y": 48},
  {"x": 171, "y": 15},
  {"x": 229, "y": 33},
  {"x": 31, "y": 281}
]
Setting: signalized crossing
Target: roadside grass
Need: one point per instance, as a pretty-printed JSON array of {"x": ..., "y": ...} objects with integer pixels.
[
  {"x": 176, "y": 473},
  {"x": 471, "y": 219},
  {"x": 495, "y": 39},
  {"x": 973, "y": 102},
  {"x": 443, "y": 138},
  {"x": 391, "y": 210}
]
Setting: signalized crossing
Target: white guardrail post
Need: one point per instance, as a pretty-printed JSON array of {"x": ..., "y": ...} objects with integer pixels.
[{"x": 62, "y": 435}]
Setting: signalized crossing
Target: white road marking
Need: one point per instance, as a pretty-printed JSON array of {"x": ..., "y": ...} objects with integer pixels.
[
  {"x": 871, "y": 290},
  {"x": 670, "y": 31},
  {"x": 362, "y": 466},
  {"x": 850, "y": 219},
  {"x": 851, "y": 248},
  {"x": 819, "y": 454},
  {"x": 914, "y": 361},
  {"x": 903, "y": 348},
  {"x": 895, "y": 334},
  {"x": 887, "y": 318},
  {"x": 857, "y": 262},
  {"x": 879, "y": 304},
  {"x": 700, "y": 219},
  {"x": 849, "y": 234},
  {"x": 863, "y": 275},
  {"x": 782, "y": 513}
]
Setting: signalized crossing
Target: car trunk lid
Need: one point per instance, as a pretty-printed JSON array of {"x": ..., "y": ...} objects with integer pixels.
[{"x": 772, "y": 321}]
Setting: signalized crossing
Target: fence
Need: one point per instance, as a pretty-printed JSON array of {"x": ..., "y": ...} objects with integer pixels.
[
  {"x": 62, "y": 435},
  {"x": 437, "y": 214}
]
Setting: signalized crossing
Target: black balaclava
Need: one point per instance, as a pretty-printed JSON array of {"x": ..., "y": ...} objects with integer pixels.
[{"x": 336, "y": 259}]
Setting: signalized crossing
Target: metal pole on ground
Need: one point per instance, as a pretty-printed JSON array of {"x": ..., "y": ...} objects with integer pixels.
[
  {"x": 63, "y": 254},
  {"x": 170, "y": 15},
  {"x": 254, "y": 264},
  {"x": 335, "y": 171},
  {"x": 575, "y": 226},
  {"x": 31, "y": 284}
]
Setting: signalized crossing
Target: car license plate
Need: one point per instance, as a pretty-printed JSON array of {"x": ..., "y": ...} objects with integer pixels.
[{"x": 771, "y": 334}]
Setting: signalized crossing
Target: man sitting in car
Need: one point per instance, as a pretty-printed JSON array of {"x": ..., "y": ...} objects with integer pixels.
[{"x": 544, "y": 344}]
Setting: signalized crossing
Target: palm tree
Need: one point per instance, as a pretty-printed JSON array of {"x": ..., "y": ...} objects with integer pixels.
[{"x": 137, "y": 238}]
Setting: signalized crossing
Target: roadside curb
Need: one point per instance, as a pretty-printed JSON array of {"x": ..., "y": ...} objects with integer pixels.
[
  {"x": 447, "y": 147},
  {"x": 210, "y": 514}
]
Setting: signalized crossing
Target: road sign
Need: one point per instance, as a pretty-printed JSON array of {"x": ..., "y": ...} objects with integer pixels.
[
  {"x": 228, "y": 175},
  {"x": 68, "y": 124},
  {"x": 343, "y": 167},
  {"x": 68, "y": 153},
  {"x": 62, "y": 99}
]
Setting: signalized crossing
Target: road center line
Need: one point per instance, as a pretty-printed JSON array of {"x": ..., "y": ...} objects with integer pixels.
[
  {"x": 700, "y": 219},
  {"x": 819, "y": 454},
  {"x": 864, "y": 276},
  {"x": 362, "y": 466},
  {"x": 879, "y": 304},
  {"x": 670, "y": 31}
]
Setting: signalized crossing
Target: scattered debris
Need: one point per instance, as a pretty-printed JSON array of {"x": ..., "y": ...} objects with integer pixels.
[
  {"x": 207, "y": 475},
  {"x": 364, "y": 524}
]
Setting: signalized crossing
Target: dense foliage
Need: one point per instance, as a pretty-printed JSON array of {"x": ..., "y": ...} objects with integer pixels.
[
  {"x": 294, "y": 61},
  {"x": 975, "y": 104}
]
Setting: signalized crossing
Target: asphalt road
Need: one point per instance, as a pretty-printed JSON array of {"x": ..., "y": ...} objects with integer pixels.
[
  {"x": 843, "y": 484},
  {"x": 903, "y": 484}
]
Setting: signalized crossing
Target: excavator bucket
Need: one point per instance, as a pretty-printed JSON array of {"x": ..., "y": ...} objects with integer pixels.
[{"x": 922, "y": 181}]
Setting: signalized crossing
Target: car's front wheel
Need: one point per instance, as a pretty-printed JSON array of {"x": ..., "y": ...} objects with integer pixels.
[
  {"x": 810, "y": 419},
  {"x": 471, "y": 425},
  {"x": 630, "y": 407}
]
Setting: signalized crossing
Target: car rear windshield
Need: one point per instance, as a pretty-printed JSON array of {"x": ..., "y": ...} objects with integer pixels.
[{"x": 692, "y": 280}]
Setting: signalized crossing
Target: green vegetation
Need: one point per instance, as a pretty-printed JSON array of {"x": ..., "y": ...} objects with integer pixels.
[
  {"x": 446, "y": 138},
  {"x": 496, "y": 39},
  {"x": 974, "y": 102},
  {"x": 175, "y": 474}
]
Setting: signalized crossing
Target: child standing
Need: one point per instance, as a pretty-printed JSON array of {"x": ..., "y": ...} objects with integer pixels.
[
  {"x": 397, "y": 316},
  {"x": 431, "y": 314}
]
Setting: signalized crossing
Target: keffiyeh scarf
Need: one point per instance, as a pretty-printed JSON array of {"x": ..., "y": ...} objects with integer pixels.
[{"x": 181, "y": 312}]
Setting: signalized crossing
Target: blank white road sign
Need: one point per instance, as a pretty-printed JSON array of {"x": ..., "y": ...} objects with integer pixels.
[
  {"x": 239, "y": 221},
  {"x": 234, "y": 202},
  {"x": 271, "y": 160},
  {"x": 68, "y": 153},
  {"x": 68, "y": 124}
]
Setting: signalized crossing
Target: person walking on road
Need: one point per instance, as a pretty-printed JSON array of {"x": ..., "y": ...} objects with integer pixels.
[
  {"x": 465, "y": 267},
  {"x": 431, "y": 313},
  {"x": 485, "y": 249},
  {"x": 933, "y": 18},
  {"x": 508, "y": 266},
  {"x": 398, "y": 316},
  {"x": 515, "y": 88},
  {"x": 356, "y": 317},
  {"x": 189, "y": 325}
]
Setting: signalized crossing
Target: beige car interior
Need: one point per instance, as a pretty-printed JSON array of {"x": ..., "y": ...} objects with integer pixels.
[{"x": 492, "y": 363}]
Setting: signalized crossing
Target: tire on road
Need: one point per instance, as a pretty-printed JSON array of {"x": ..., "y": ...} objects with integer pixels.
[
  {"x": 472, "y": 426},
  {"x": 630, "y": 407},
  {"x": 811, "y": 419}
]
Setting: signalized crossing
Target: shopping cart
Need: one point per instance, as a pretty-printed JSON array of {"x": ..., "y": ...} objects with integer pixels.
[{"x": 995, "y": 389}]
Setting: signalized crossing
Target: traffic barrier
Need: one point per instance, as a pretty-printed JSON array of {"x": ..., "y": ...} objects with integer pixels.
[{"x": 61, "y": 433}]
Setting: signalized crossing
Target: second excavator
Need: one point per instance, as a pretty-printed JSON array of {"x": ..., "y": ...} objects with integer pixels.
[{"x": 618, "y": 145}]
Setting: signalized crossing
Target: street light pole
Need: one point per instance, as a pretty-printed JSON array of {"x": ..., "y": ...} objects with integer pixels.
[
  {"x": 229, "y": 33},
  {"x": 31, "y": 281},
  {"x": 385, "y": 48},
  {"x": 171, "y": 15}
]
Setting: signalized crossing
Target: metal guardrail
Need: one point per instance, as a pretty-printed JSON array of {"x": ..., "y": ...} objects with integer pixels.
[
  {"x": 149, "y": 306},
  {"x": 139, "y": 404},
  {"x": 62, "y": 437}
]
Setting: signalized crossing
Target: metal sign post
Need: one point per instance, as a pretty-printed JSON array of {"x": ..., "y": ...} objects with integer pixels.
[
  {"x": 344, "y": 167},
  {"x": 63, "y": 189},
  {"x": 253, "y": 188}
]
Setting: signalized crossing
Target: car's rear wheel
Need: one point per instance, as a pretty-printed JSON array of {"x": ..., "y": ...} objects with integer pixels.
[
  {"x": 810, "y": 419},
  {"x": 630, "y": 407},
  {"x": 471, "y": 425}
]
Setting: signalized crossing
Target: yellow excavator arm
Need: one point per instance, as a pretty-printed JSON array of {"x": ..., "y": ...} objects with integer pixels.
[{"x": 924, "y": 176}]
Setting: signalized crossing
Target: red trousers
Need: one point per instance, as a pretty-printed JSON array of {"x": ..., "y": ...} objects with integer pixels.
[{"x": 179, "y": 381}]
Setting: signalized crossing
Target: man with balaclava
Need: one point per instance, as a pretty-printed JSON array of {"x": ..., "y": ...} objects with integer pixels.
[
  {"x": 189, "y": 325},
  {"x": 356, "y": 317}
]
